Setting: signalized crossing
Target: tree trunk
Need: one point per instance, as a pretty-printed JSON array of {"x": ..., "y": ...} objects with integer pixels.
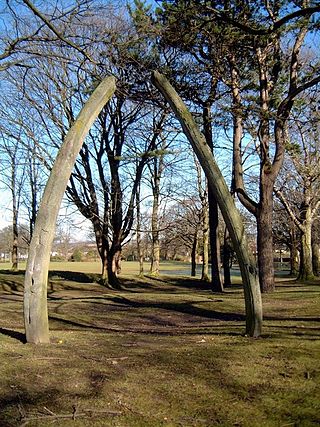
[
  {"x": 138, "y": 230},
  {"x": 226, "y": 259},
  {"x": 194, "y": 255},
  {"x": 104, "y": 270},
  {"x": 15, "y": 235},
  {"x": 114, "y": 268},
  {"x": 306, "y": 268},
  {"x": 316, "y": 258},
  {"x": 155, "y": 256},
  {"x": 103, "y": 250},
  {"x": 253, "y": 303},
  {"x": 294, "y": 255},
  {"x": 15, "y": 232},
  {"x": 264, "y": 234},
  {"x": 216, "y": 280},
  {"x": 36, "y": 277},
  {"x": 263, "y": 209},
  {"x": 205, "y": 242},
  {"x": 294, "y": 264}
]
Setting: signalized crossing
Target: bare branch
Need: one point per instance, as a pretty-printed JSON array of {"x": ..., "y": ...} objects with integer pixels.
[{"x": 68, "y": 42}]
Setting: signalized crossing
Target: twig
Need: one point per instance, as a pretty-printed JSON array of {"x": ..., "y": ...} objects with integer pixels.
[
  {"x": 48, "y": 410},
  {"x": 51, "y": 416}
]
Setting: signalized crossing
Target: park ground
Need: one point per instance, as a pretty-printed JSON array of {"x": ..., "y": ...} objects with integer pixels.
[{"x": 162, "y": 351}]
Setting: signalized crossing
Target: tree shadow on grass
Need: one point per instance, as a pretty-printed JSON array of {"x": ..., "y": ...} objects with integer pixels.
[
  {"x": 74, "y": 276},
  {"x": 168, "y": 283},
  {"x": 219, "y": 329},
  {"x": 11, "y": 286},
  {"x": 181, "y": 307},
  {"x": 13, "y": 334},
  {"x": 13, "y": 272}
]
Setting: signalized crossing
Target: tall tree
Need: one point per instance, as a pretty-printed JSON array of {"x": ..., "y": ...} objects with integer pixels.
[
  {"x": 249, "y": 48},
  {"x": 12, "y": 177},
  {"x": 203, "y": 195},
  {"x": 303, "y": 175}
]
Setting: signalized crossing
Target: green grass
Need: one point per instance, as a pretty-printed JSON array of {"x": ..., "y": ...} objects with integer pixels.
[
  {"x": 161, "y": 352},
  {"x": 128, "y": 267}
]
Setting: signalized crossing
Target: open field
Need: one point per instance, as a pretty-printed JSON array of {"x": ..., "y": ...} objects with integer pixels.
[
  {"x": 161, "y": 352},
  {"x": 128, "y": 267}
]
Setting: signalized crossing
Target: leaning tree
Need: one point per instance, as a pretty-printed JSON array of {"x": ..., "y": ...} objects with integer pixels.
[
  {"x": 226, "y": 203},
  {"x": 36, "y": 277}
]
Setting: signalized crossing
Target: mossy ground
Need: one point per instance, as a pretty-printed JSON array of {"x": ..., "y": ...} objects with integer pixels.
[{"x": 161, "y": 352}]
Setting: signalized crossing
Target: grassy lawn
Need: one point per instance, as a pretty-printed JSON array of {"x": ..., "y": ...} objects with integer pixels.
[
  {"x": 162, "y": 352},
  {"x": 128, "y": 267}
]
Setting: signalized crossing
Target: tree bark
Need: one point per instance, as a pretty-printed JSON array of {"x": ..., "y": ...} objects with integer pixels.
[
  {"x": 264, "y": 234},
  {"x": 253, "y": 303},
  {"x": 216, "y": 280},
  {"x": 156, "y": 178},
  {"x": 194, "y": 255},
  {"x": 138, "y": 230},
  {"x": 264, "y": 208},
  {"x": 226, "y": 259},
  {"x": 306, "y": 267},
  {"x": 203, "y": 194},
  {"x": 155, "y": 256},
  {"x": 316, "y": 258},
  {"x": 15, "y": 235},
  {"x": 36, "y": 277},
  {"x": 104, "y": 269},
  {"x": 205, "y": 242},
  {"x": 15, "y": 232},
  {"x": 294, "y": 265},
  {"x": 114, "y": 267}
]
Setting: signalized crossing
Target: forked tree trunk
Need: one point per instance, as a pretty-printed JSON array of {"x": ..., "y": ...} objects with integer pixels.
[
  {"x": 226, "y": 203},
  {"x": 36, "y": 277}
]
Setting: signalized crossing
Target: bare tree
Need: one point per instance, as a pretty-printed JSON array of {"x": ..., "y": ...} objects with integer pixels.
[
  {"x": 303, "y": 174},
  {"x": 12, "y": 178}
]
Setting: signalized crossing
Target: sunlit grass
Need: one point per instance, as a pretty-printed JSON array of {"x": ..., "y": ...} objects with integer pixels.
[
  {"x": 161, "y": 352},
  {"x": 128, "y": 267}
]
